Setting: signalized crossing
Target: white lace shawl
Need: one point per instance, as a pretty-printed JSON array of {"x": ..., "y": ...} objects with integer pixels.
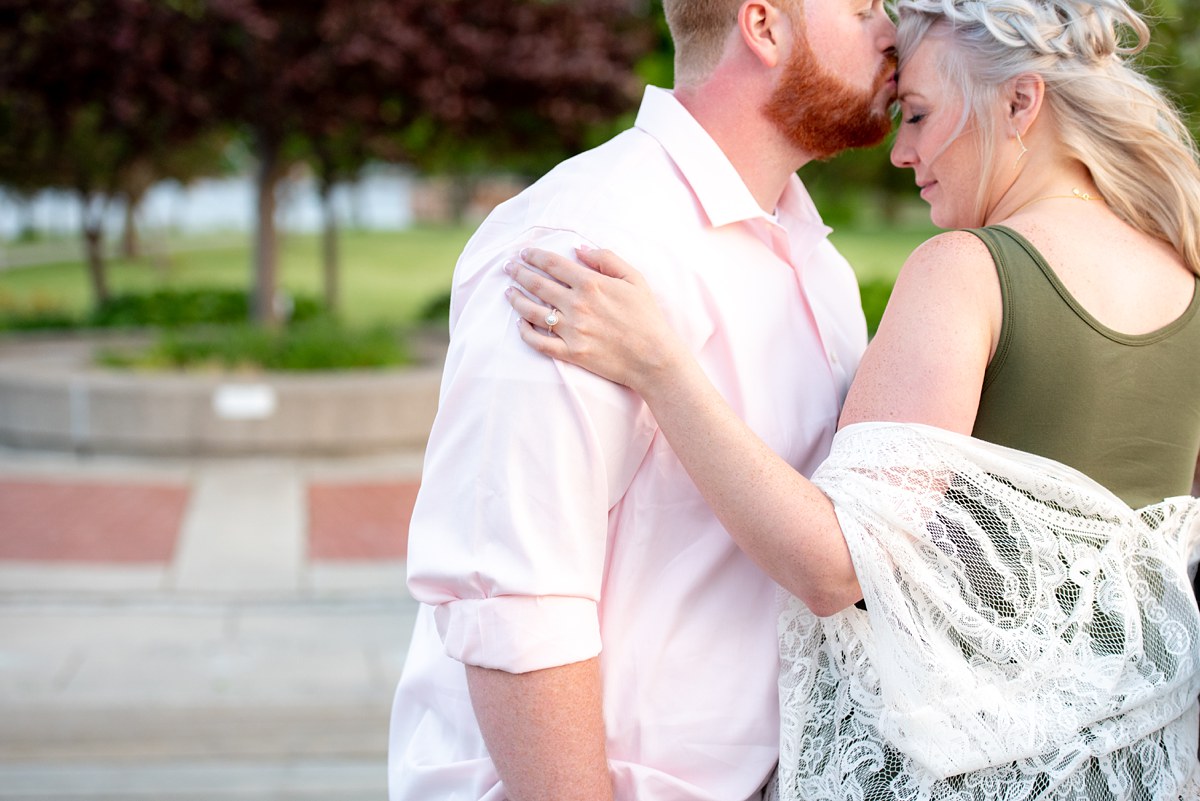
[{"x": 1027, "y": 634}]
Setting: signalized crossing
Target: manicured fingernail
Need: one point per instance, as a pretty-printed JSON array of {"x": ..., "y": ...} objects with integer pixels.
[
  {"x": 509, "y": 268},
  {"x": 524, "y": 254},
  {"x": 585, "y": 248},
  {"x": 508, "y": 290}
]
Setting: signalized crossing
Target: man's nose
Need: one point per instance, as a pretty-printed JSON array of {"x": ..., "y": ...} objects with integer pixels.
[{"x": 886, "y": 35}]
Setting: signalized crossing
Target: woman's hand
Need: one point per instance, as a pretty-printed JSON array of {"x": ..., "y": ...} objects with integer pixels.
[
  {"x": 606, "y": 320},
  {"x": 604, "y": 317}
]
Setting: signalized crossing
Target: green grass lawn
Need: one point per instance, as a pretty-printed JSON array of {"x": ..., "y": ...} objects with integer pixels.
[
  {"x": 878, "y": 253},
  {"x": 386, "y": 276}
]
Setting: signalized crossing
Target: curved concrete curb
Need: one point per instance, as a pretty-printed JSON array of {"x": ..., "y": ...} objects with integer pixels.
[{"x": 50, "y": 398}]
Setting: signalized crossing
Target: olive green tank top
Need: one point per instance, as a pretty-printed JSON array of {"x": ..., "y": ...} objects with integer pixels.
[{"x": 1124, "y": 409}]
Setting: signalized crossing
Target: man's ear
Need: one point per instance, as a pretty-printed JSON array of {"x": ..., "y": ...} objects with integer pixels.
[
  {"x": 1024, "y": 95},
  {"x": 762, "y": 27}
]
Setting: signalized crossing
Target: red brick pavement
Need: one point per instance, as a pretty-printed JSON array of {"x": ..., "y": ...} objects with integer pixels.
[
  {"x": 132, "y": 523},
  {"x": 359, "y": 521},
  {"x": 90, "y": 522}
]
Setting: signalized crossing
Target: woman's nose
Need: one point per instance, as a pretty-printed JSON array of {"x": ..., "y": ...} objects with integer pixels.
[{"x": 902, "y": 154}]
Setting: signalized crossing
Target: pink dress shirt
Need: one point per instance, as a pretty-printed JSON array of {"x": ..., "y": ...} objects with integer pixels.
[{"x": 555, "y": 524}]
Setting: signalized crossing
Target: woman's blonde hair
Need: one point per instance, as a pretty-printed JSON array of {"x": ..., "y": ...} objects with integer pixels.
[{"x": 1111, "y": 117}]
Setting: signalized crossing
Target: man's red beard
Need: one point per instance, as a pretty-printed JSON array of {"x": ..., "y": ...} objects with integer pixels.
[{"x": 822, "y": 115}]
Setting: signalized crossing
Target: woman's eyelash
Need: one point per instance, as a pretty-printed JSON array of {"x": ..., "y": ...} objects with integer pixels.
[{"x": 914, "y": 119}]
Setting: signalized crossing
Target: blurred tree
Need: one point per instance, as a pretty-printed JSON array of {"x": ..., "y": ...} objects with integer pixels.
[
  {"x": 247, "y": 50},
  {"x": 1173, "y": 57},
  {"x": 185, "y": 162},
  {"x": 24, "y": 170},
  {"x": 53, "y": 132},
  {"x": 308, "y": 80},
  {"x": 98, "y": 95},
  {"x": 657, "y": 65},
  {"x": 359, "y": 84},
  {"x": 521, "y": 84},
  {"x": 87, "y": 96},
  {"x": 461, "y": 84},
  {"x": 338, "y": 156}
]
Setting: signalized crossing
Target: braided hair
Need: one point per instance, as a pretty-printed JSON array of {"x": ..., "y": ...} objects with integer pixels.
[{"x": 1109, "y": 115}]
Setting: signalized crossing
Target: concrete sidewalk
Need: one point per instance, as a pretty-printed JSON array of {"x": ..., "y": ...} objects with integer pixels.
[{"x": 213, "y": 629}]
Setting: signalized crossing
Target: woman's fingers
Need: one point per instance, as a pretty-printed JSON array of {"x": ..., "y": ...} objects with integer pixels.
[
  {"x": 550, "y": 292},
  {"x": 531, "y": 311},
  {"x": 579, "y": 313},
  {"x": 573, "y": 274},
  {"x": 542, "y": 343},
  {"x": 560, "y": 268},
  {"x": 607, "y": 263}
]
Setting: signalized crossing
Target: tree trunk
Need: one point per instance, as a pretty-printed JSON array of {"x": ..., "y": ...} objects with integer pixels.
[
  {"x": 130, "y": 244},
  {"x": 133, "y": 183},
  {"x": 329, "y": 249},
  {"x": 266, "y": 251},
  {"x": 93, "y": 246}
]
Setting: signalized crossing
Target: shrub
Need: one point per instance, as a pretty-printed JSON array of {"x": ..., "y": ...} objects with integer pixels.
[
  {"x": 176, "y": 308},
  {"x": 39, "y": 313},
  {"x": 436, "y": 310},
  {"x": 321, "y": 344},
  {"x": 875, "y": 295}
]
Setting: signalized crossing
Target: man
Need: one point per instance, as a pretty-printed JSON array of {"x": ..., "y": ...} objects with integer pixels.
[{"x": 588, "y": 630}]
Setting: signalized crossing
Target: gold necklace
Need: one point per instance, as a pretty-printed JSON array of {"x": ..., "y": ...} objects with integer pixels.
[{"x": 1076, "y": 194}]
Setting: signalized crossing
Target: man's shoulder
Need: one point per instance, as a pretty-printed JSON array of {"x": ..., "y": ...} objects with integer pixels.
[{"x": 617, "y": 181}]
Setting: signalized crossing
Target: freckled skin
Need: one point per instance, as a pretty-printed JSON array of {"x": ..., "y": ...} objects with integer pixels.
[{"x": 941, "y": 326}]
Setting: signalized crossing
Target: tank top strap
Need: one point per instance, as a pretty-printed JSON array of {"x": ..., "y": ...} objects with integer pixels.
[{"x": 1012, "y": 260}]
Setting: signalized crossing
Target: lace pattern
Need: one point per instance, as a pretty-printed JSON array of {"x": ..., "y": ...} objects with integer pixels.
[{"x": 1027, "y": 635}]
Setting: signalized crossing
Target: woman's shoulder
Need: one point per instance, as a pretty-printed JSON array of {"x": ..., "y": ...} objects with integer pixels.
[
  {"x": 949, "y": 263},
  {"x": 927, "y": 361},
  {"x": 950, "y": 248}
]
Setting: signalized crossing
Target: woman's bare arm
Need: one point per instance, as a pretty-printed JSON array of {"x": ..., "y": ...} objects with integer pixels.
[
  {"x": 927, "y": 360},
  {"x": 938, "y": 328}
]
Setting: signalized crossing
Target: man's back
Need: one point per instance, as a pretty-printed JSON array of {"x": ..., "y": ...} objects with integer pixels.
[{"x": 554, "y": 523}]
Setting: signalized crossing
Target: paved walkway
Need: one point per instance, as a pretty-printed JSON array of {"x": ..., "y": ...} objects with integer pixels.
[{"x": 210, "y": 629}]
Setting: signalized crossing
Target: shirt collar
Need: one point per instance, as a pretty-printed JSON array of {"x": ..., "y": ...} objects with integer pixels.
[{"x": 718, "y": 187}]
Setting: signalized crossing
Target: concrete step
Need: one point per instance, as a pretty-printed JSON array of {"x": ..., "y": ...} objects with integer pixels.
[
  {"x": 185, "y": 754},
  {"x": 131, "y": 735},
  {"x": 324, "y": 779}
]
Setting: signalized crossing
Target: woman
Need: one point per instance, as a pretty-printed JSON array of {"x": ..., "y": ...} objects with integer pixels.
[{"x": 981, "y": 616}]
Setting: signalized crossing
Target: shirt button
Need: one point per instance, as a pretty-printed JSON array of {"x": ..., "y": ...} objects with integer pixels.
[{"x": 833, "y": 357}]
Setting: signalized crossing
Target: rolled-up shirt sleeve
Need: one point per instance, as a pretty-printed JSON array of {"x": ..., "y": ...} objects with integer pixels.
[{"x": 526, "y": 457}]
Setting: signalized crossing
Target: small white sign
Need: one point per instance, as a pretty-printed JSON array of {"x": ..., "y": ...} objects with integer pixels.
[{"x": 244, "y": 401}]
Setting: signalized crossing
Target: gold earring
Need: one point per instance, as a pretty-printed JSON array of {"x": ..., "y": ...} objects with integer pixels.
[{"x": 1024, "y": 149}]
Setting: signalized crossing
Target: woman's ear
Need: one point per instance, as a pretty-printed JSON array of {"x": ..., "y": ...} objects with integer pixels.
[
  {"x": 762, "y": 27},
  {"x": 1024, "y": 96}
]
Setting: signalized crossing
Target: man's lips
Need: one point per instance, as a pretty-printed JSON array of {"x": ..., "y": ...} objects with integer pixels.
[{"x": 890, "y": 83}]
